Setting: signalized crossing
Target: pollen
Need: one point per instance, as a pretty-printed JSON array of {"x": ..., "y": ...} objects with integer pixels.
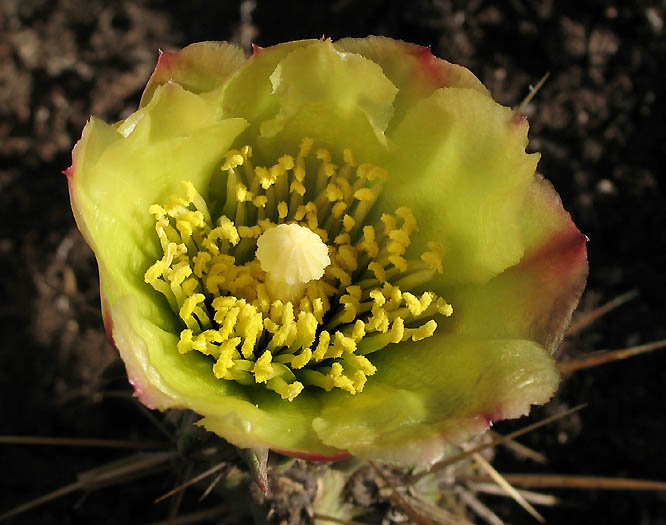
[{"x": 283, "y": 281}]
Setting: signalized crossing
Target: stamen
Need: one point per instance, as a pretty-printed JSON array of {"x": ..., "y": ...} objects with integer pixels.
[{"x": 289, "y": 286}]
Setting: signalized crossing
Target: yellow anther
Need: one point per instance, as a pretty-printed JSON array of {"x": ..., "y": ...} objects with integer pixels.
[
  {"x": 322, "y": 346},
  {"x": 202, "y": 342},
  {"x": 379, "y": 321},
  {"x": 409, "y": 222},
  {"x": 225, "y": 362},
  {"x": 277, "y": 307},
  {"x": 350, "y": 311},
  {"x": 377, "y": 173},
  {"x": 360, "y": 362},
  {"x": 222, "y": 304},
  {"x": 396, "y": 248},
  {"x": 249, "y": 232},
  {"x": 306, "y": 146},
  {"x": 444, "y": 308},
  {"x": 318, "y": 309},
  {"x": 292, "y": 390},
  {"x": 286, "y": 162},
  {"x": 266, "y": 177},
  {"x": 297, "y": 187},
  {"x": 189, "y": 305},
  {"x": 399, "y": 262},
  {"x": 226, "y": 230},
  {"x": 271, "y": 326},
  {"x": 397, "y": 330},
  {"x": 180, "y": 272},
  {"x": 333, "y": 192},
  {"x": 358, "y": 332},
  {"x": 378, "y": 270},
  {"x": 300, "y": 213},
  {"x": 286, "y": 390},
  {"x": 389, "y": 222},
  {"x": 263, "y": 370},
  {"x": 378, "y": 297},
  {"x": 433, "y": 258},
  {"x": 343, "y": 238},
  {"x": 157, "y": 211},
  {"x": 228, "y": 323},
  {"x": 266, "y": 224},
  {"x": 342, "y": 343},
  {"x": 283, "y": 209},
  {"x": 276, "y": 170},
  {"x": 155, "y": 272},
  {"x": 263, "y": 300},
  {"x": 423, "y": 331},
  {"x": 355, "y": 291},
  {"x": 363, "y": 170},
  {"x": 340, "y": 380},
  {"x": 323, "y": 154},
  {"x": 393, "y": 294},
  {"x": 412, "y": 303},
  {"x": 399, "y": 236},
  {"x": 368, "y": 244},
  {"x": 242, "y": 194},
  {"x": 338, "y": 209},
  {"x": 338, "y": 273},
  {"x": 426, "y": 300},
  {"x": 232, "y": 160},
  {"x": 348, "y": 223},
  {"x": 299, "y": 171},
  {"x": 201, "y": 262},
  {"x": 344, "y": 185},
  {"x": 307, "y": 328},
  {"x": 301, "y": 359},
  {"x": 185, "y": 341},
  {"x": 260, "y": 201},
  {"x": 347, "y": 257},
  {"x": 364, "y": 194},
  {"x": 329, "y": 169},
  {"x": 250, "y": 328},
  {"x": 359, "y": 379}
]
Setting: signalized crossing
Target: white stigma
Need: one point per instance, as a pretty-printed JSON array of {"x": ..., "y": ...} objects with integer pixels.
[{"x": 291, "y": 255}]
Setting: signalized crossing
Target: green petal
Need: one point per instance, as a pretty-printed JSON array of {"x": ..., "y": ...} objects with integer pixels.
[
  {"x": 339, "y": 99},
  {"x": 413, "y": 69},
  {"x": 535, "y": 298},
  {"x": 435, "y": 393},
  {"x": 248, "y": 94},
  {"x": 200, "y": 68},
  {"x": 460, "y": 164},
  {"x": 118, "y": 174}
]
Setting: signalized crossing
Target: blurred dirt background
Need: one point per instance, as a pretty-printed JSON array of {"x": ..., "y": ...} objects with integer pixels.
[{"x": 598, "y": 122}]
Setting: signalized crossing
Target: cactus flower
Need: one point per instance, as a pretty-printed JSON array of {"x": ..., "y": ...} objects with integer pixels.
[{"x": 328, "y": 249}]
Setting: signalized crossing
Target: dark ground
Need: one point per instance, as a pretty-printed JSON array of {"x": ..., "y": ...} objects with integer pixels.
[{"x": 598, "y": 122}]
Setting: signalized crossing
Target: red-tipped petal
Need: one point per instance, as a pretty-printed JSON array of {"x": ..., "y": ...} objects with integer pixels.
[{"x": 200, "y": 67}]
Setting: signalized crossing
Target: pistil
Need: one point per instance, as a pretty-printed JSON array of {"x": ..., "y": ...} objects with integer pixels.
[{"x": 292, "y": 256}]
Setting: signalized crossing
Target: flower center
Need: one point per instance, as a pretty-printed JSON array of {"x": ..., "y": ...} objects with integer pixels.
[
  {"x": 292, "y": 256},
  {"x": 278, "y": 280}
]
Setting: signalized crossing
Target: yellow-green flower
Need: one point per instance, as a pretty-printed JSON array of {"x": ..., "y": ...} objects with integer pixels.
[{"x": 330, "y": 248}]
